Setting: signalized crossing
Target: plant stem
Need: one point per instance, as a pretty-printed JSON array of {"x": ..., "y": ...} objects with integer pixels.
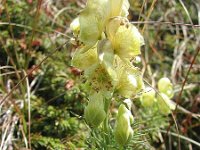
[{"x": 106, "y": 121}]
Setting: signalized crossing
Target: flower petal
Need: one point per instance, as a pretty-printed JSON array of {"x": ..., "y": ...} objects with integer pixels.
[
  {"x": 84, "y": 59},
  {"x": 92, "y": 21},
  {"x": 129, "y": 81},
  {"x": 125, "y": 38}
]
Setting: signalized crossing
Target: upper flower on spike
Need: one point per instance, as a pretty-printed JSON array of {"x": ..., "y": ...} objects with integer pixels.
[
  {"x": 125, "y": 38},
  {"x": 95, "y": 16}
]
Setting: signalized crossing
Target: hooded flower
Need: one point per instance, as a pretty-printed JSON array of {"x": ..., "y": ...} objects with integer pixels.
[
  {"x": 95, "y": 16},
  {"x": 125, "y": 38},
  {"x": 129, "y": 79}
]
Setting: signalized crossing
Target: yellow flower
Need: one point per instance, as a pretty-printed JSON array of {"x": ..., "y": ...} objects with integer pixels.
[
  {"x": 83, "y": 59},
  {"x": 125, "y": 38},
  {"x": 129, "y": 80},
  {"x": 95, "y": 16}
]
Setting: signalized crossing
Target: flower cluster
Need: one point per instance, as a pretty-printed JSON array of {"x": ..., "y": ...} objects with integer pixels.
[{"x": 107, "y": 44}]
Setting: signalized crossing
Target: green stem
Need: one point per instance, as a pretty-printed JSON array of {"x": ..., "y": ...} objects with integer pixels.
[{"x": 106, "y": 121}]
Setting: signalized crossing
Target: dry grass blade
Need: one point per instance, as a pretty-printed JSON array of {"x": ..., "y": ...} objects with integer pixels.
[{"x": 58, "y": 48}]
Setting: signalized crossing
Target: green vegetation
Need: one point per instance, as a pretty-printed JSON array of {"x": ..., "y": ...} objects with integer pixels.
[{"x": 47, "y": 103}]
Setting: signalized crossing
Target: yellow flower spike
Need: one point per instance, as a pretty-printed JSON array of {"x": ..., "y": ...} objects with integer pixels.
[
  {"x": 165, "y": 86},
  {"x": 123, "y": 131},
  {"x": 165, "y": 104},
  {"x": 83, "y": 59},
  {"x": 94, "y": 113}
]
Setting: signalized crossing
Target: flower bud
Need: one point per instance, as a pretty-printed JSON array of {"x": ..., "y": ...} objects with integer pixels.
[
  {"x": 123, "y": 131},
  {"x": 165, "y": 86},
  {"x": 148, "y": 97},
  {"x": 75, "y": 26},
  {"x": 94, "y": 112}
]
